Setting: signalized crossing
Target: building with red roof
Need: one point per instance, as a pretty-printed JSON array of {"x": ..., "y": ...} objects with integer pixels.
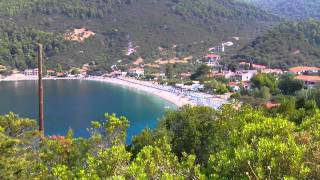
[
  {"x": 212, "y": 59},
  {"x": 214, "y": 56},
  {"x": 309, "y": 80},
  {"x": 304, "y": 69}
]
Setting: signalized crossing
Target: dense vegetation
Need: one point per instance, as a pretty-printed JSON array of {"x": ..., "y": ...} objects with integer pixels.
[
  {"x": 283, "y": 94},
  {"x": 190, "y": 143},
  {"x": 204, "y": 9},
  {"x": 210, "y": 12},
  {"x": 299, "y": 9},
  {"x": 70, "y": 8},
  {"x": 192, "y": 26},
  {"x": 289, "y": 44},
  {"x": 18, "y": 45}
]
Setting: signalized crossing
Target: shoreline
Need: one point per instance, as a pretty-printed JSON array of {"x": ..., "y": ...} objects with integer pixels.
[
  {"x": 165, "y": 95},
  {"x": 175, "y": 96}
]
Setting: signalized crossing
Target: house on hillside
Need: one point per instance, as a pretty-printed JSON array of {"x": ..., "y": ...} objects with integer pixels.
[
  {"x": 234, "y": 86},
  {"x": 309, "y": 81},
  {"x": 136, "y": 71},
  {"x": 304, "y": 69},
  {"x": 247, "y": 75},
  {"x": 272, "y": 71},
  {"x": 51, "y": 72},
  {"x": 243, "y": 75},
  {"x": 212, "y": 60}
]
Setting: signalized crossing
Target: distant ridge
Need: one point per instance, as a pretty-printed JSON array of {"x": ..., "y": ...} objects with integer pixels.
[
  {"x": 297, "y": 9},
  {"x": 289, "y": 44}
]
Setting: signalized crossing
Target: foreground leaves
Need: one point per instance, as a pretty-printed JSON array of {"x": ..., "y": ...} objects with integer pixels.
[{"x": 190, "y": 143}]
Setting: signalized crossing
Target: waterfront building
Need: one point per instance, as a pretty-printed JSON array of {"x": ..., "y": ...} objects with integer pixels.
[{"x": 31, "y": 72}]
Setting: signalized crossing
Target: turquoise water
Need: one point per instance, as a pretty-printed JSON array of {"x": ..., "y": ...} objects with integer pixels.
[{"x": 75, "y": 103}]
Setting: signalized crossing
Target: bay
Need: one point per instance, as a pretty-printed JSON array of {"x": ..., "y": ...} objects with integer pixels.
[{"x": 75, "y": 103}]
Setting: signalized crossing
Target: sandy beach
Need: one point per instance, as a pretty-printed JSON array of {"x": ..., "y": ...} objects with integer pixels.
[{"x": 146, "y": 87}]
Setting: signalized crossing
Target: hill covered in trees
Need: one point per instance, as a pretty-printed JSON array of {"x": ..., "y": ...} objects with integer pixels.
[
  {"x": 289, "y": 44},
  {"x": 18, "y": 45},
  {"x": 299, "y": 9},
  {"x": 182, "y": 27}
]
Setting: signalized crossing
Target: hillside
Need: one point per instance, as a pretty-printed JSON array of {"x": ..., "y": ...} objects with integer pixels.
[
  {"x": 181, "y": 27},
  {"x": 18, "y": 45},
  {"x": 298, "y": 9},
  {"x": 289, "y": 44}
]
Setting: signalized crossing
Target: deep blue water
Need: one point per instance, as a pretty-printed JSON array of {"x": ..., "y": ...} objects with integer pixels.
[{"x": 75, "y": 103}]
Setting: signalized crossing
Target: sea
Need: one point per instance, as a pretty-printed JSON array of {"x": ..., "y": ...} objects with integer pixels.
[{"x": 75, "y": 103}]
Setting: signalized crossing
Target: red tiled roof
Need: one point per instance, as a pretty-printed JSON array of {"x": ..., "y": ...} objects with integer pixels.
[
  {"x": 270, "y": 105},
  {"x": 212, "y": 56},
  {"x": 232, "y": 84},
  {"x": 309, "y": 78},
  {"x": 303, "y": 68}
]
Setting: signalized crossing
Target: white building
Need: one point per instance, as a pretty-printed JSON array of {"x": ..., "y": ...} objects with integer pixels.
[
  {"x": 248, "y": 75},
  {"x": 228, "y": 44},
  {"x": 31, "y": 72},
  {"x": 136, "y": 71}
]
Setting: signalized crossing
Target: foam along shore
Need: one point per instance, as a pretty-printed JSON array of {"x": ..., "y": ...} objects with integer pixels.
[{"x": 146, "y": 87}]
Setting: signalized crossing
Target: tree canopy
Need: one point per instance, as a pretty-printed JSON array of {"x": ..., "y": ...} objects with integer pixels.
[{"x": 190, "y": 143}]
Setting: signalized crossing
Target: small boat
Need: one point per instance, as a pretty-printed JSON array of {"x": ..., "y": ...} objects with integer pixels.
[{"x": 167, "y": 107}]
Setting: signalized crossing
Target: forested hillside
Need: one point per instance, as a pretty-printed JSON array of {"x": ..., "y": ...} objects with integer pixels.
[
  {"x": 69, "y": 8},
  {"x": 290, "y": 8},
  {"x": 289, "y": 44},
  {"x": 192, "y": 26},
  {"x": 18, "y": 45}
]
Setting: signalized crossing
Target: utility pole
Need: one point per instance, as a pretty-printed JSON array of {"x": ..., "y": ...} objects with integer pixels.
[{"x": 40, "y": 90}]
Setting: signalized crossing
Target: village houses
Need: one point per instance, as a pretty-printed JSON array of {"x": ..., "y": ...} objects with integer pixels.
[
  {"x": 212, "y": 60},
  {"x": 136, "y": 71},
  {"x": 304, "y": 69}
]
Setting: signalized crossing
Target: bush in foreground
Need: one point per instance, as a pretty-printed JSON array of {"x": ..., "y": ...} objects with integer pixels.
[{"x": 190, "y": 143}]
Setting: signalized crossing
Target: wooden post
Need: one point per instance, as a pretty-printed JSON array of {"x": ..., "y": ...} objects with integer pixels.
[{"x": 40, "y": 90}]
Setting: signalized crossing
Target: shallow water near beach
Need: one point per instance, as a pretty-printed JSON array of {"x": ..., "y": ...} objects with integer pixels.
[{"x": 75, "y": 103}]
